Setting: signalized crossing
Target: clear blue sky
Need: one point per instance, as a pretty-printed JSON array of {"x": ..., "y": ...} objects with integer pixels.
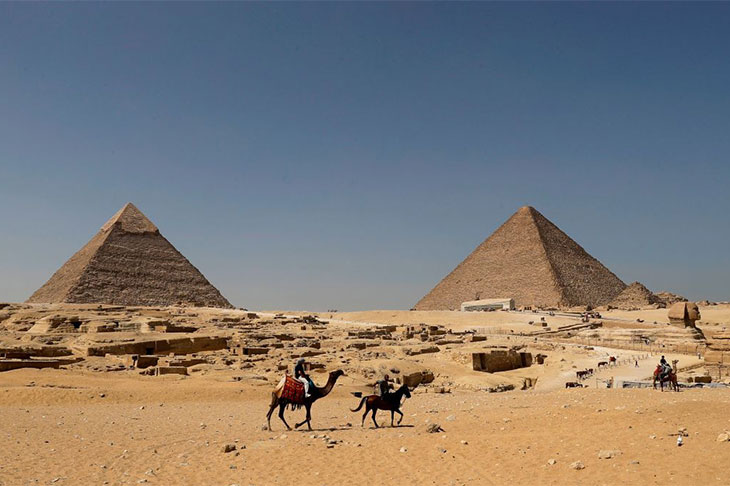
[{"x": 348, "y": 155}]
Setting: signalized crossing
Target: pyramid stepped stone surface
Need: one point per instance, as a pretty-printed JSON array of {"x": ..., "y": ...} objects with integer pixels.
[
  {"x": 530, "y": 260},
  {"x": 128, "y": 262},
  {"x": 636, "y": 295}
]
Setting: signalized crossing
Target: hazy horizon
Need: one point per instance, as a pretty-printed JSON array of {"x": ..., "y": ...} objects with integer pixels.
[{"x": 348, "y": 156}]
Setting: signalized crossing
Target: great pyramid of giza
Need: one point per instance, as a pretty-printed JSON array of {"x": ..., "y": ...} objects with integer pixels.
[
  {"x": 530, "y": 260},
  {"x": 128, "y": 262}
]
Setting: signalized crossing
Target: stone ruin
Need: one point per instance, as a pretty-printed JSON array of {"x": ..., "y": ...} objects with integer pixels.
[
  {"x": 499, "y": 360},
  {"x": 181, "y": 341}
]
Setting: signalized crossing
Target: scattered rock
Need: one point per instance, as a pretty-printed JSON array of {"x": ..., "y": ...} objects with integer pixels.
[
  {"x": 608, "y": 454},
  {"x": 403, "y": 449},
  {"x": 229, "y": 448},
  {"x": 552, "y": 462},
  {"x": 451, "y": 418},
  {"x": 434, "y": 428},
  {"x": 577, "y": 465},
  {"x": 724, "y": 437}
]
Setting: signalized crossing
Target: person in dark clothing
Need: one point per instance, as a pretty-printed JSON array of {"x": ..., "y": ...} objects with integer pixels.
[
  {"x": 301, "y": 374},
  {"x": 384, "y": 386},
  {"x": 665, "y": 368}
]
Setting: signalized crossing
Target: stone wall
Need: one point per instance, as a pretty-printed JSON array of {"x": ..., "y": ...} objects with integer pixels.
[
  {"x": 181, "y": 345},
  {"x": 500, "y": 361}
]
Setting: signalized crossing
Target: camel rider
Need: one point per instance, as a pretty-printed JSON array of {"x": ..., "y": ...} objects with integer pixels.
[
  {"x": 665, "y": 368},
  {"x": 384, "y": 386},
  {"x": 301, "y": 375}
]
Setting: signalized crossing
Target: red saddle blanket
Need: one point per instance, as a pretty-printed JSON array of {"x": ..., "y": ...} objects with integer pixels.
[{"x": 293, "y": 390}]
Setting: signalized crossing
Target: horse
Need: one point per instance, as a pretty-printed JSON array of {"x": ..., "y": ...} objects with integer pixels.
[
  {"x": 390, "y": 402},
  {"x": 582, "y": 375},
  {"x": 671, "y": 380},
  {"x": 315, "y": 393},
  {"x": 572, "y": 384},
  {"x": 601, "y": 364}
]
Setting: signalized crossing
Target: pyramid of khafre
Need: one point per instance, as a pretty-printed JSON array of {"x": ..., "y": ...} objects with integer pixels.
[
  {"x": 128, "y": 262},
  {"x": 530, "y": 260}
]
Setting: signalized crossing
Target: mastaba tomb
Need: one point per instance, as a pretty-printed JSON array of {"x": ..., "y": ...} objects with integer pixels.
[
  {"x": 128, "y": 262},
  {"x": 532, "y": 261}
]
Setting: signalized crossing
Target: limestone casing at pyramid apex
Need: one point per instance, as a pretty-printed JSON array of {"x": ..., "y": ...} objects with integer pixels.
[{"x": 131, "y": 220}]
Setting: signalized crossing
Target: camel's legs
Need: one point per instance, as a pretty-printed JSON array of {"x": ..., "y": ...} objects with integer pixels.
[
  {"x": 309, "y": 416},
  {"x": 376, "y": 424},
  {"x": 268, "y": 415},
  {"x": 281, "y": 415},
  {"x": 307, "y": 419}
]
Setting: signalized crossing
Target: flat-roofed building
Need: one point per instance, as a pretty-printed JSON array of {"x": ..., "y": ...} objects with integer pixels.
[{"x": 487, "y": 305}]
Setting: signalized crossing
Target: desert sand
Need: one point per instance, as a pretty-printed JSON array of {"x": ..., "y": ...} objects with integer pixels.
[
  {"x": 59, "y": 430},
  {"x": 100, "y": 421}
]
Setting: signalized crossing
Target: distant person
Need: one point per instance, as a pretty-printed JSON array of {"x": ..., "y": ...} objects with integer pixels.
[{"x": 636, "y": 363}]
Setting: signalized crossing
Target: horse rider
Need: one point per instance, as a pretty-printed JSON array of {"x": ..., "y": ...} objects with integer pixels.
[
  {"x": 384, "y": 386},
  {"x": 301, "y": 375}
]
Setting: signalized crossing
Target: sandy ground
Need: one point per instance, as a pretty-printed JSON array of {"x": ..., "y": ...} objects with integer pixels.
[
  {"x": 171, "y": 430},
  {"x": 454, "y": 320},
  {"x": 79, "y": 427},
  {"x": 715, "y": 315}
]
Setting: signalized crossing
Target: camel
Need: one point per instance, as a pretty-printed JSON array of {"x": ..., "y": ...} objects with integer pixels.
[
  {"x": 671, "y": 379},
  {"x": 390, "y": 402},
  {"x": 315, "y": 394}
]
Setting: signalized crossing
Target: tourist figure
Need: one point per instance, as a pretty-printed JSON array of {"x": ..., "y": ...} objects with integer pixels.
[
  {"x": 301, "y": 375},
  {"x": 384, "y": 386},
  {"x": 665, "y": 368}
]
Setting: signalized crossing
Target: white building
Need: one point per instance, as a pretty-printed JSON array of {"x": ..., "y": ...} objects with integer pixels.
[{"x": 488, "y": 304}]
